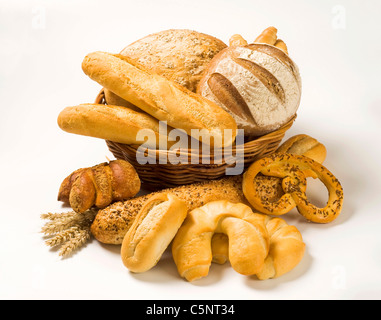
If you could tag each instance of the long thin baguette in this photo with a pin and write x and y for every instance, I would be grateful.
(112, 223)
(164, 99)
(114, 123)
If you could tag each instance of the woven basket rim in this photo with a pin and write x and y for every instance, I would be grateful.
(247, 147)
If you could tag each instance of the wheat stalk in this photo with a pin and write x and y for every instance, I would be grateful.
(70, 230)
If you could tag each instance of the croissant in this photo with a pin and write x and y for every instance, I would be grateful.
(99, 185)
(286, 248)
(248, 239)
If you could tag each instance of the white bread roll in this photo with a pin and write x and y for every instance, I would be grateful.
(258, 84)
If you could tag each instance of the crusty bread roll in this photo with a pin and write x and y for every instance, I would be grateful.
(303, 144)
(152, 231)
(162, 98)
(114, 123)
(179, 55)
(258, 84)
(248, 239)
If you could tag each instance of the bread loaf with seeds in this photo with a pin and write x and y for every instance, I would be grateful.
(258, 84)
(112, 223)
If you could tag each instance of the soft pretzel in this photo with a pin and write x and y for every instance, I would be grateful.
(152, 231)
(286, 248)
(294, 169)
(270, 188)
(248, 239)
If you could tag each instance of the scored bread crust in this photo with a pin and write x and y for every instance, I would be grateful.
(258, 84)
(180, 55)
(152, 231)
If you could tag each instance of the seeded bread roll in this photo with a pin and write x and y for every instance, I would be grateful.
(112, 223)
(258, 84)
(180, 55)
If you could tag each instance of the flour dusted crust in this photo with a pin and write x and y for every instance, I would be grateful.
(180, 55)
(258, 84)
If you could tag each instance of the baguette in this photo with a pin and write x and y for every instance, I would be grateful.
(112, 223)
(163, 99)
(114, 123)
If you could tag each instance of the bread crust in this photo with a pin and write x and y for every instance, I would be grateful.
(262, 86)
(303, 144)
(112, 223)
(163, 99)
(108, 122)
(248, 239)
(152, 231)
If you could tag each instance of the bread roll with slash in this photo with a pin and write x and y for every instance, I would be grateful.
(163, 99)
(257, 83)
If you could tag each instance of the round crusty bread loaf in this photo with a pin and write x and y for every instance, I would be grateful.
(180, 55)
(258, 84)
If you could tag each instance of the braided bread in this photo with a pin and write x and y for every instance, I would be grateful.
(99, 185)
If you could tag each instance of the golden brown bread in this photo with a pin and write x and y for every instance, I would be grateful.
(268, 36)
(285, 252)
(112, 223)
(270, 188)
(180, 55)
(99, 185)
(258, 84)
(248, 239)
(294, 171)
(303, 144)
(114, 123)
(237, 40)
(163, 99)
(152, 231)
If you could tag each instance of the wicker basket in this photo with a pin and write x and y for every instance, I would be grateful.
(157, 176)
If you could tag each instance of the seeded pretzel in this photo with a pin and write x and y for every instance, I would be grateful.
(294, 169)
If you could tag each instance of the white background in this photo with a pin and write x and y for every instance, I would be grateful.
(336, 45)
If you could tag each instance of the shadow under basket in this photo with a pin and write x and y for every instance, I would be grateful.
(157, 172)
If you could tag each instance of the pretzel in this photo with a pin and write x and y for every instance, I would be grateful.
(294, 169)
